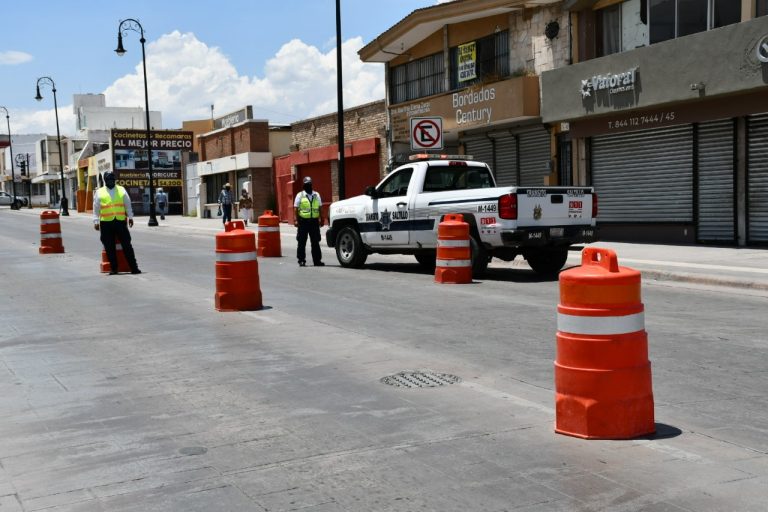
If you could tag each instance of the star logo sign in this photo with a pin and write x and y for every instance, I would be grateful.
(586, 89)
(385, 220)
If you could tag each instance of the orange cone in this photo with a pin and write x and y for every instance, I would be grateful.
(237, 271)
(269, 235)
(122, 263)
(454, 255)
(50, 233)
(602, 373)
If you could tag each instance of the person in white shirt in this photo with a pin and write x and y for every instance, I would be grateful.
(161, 198)
(112, 216)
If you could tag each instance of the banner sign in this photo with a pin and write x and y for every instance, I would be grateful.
(467, 55)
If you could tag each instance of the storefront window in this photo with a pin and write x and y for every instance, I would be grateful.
(725, 12)
(417, 79)
(762, 7)
(609, 23)
(662, 20)
(691, 17)
(491, 60)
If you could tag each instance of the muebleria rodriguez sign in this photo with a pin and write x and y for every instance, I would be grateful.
(472, 107)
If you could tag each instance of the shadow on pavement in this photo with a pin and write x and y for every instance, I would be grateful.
(515, 275)
(664, 431)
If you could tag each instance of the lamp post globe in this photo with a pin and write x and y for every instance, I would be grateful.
(46, 80)
(123, 27)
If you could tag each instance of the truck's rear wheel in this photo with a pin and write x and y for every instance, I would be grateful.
(427, 259)
(480, 257)
(548, 262)
(349, 248)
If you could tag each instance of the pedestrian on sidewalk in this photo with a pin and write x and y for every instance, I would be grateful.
(111, 208)
(161, 198)
(225, 203)
(307, 217)
(246, 205)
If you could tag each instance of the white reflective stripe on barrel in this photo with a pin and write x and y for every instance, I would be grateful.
(50, 235)
(266, 229)
(232, 257)
(601, 324)
(453, 263)
(49, 221)
(453, 243)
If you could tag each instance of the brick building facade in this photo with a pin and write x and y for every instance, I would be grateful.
(314, 152)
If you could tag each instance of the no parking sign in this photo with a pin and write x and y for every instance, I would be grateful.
(426, 133)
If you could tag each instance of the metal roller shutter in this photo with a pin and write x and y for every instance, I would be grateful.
(481, 149)
(644, 176)
(716, 172)
(535, 155)
(506, 161)
(757, 180)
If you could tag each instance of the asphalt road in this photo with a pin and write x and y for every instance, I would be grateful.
(134, 393)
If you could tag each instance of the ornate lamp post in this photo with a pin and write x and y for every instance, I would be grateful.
(48, 80)
(10, 142)
(126, 25)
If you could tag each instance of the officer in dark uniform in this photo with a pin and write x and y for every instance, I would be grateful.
(308, 219)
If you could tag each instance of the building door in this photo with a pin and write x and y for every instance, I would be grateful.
(535, 157)
(564, 163)
(480, 147)
(715, 193)
(757, 179)
(644, 176)
(506, 171)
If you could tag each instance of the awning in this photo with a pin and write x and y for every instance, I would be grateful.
(45, 178)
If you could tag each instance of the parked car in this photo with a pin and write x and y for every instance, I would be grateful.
(7, 200)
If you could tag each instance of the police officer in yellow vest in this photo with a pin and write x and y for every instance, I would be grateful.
(308, 218)
(111, 208)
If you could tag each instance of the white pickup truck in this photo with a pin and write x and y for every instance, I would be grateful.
(401, 215)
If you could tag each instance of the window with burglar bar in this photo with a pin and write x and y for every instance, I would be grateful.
(492, 60)
(417, 79)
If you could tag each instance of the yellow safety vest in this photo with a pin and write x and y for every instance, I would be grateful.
(309, 210)
(112, 209)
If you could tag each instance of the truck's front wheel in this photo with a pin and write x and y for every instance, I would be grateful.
(549, 262)
(349, 248)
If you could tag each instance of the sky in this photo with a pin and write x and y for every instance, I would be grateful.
(279, 56)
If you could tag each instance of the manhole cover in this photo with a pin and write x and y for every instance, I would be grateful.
(420, 379)
(193, 450)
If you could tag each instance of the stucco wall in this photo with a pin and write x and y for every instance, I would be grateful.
(724, 60)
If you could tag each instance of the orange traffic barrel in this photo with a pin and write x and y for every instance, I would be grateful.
(602, 373)
(269, 235)
(122, 263)
(237, 271)
(454, 255)
(50, 233)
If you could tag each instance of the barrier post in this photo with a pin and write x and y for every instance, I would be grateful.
(454, 255)
(269, 235)
(122, 263)
(50, 233)
(237, 271)
(602, 374)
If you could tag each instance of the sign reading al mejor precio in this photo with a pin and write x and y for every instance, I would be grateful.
(169, 140)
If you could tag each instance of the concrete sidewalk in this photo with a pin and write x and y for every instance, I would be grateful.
(725, 266)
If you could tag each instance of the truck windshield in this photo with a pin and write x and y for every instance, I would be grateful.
(440, 178)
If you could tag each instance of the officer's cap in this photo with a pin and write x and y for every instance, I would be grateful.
(307, 180)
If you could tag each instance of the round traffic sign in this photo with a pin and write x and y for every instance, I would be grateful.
(426, 134)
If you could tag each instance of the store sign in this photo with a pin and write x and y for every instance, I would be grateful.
(611, 83)
(467, 65)
(233, 118)
(762, 50)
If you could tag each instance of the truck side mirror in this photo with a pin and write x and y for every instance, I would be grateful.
(371, 191)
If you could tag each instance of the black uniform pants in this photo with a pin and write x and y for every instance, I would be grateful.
(311, 228)
(112, 231)
(227, 213)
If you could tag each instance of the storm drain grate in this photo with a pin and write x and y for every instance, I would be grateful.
(420, 379)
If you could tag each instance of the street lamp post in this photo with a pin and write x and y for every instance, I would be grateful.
(48, 80)
(340, 104)
(132, 24)
(10, 144)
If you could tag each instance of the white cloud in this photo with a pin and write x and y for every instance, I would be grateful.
(185, 76)
(11, 58)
